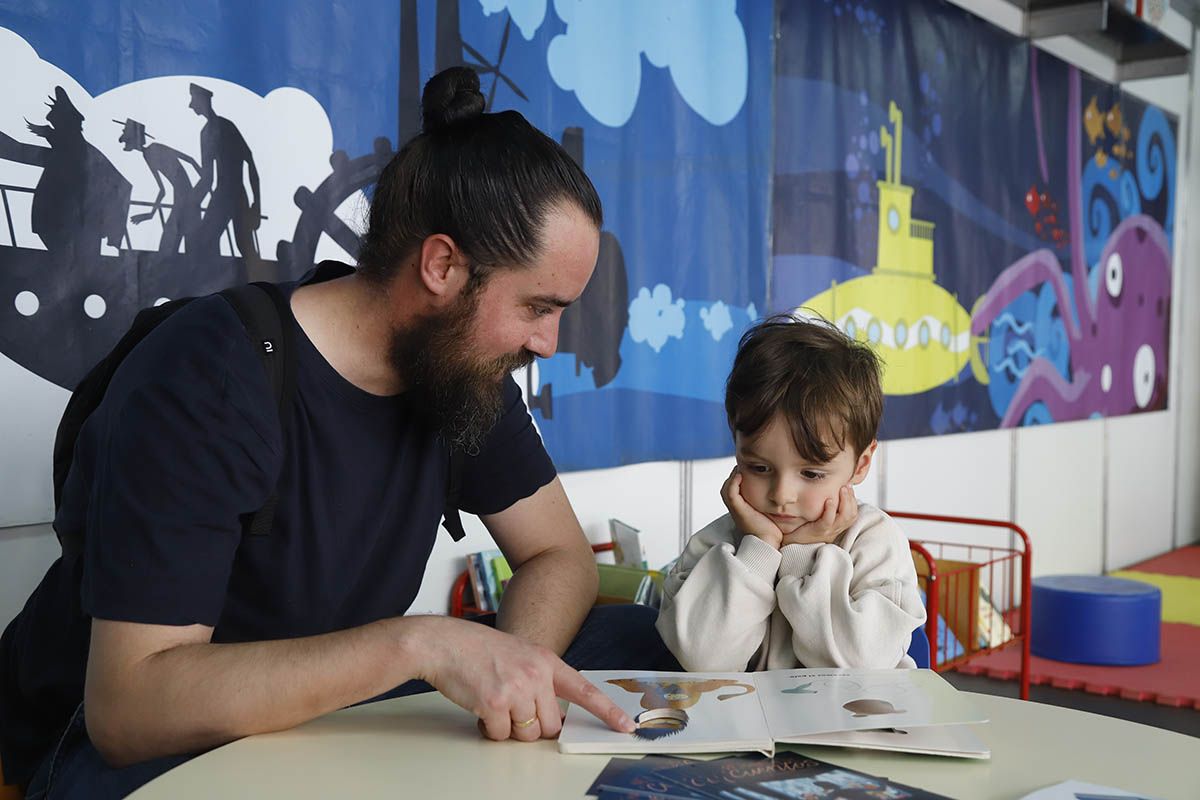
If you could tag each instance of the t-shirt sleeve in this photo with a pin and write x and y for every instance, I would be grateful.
(511, 465)
(185, 445)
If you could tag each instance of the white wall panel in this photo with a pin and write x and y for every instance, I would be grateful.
(869, 491)
(29, 412)
(963, 474)
(707, 478)
(1060, 495)
(645, 496)
(25, 554)
(1141, 465)
(1185, 374)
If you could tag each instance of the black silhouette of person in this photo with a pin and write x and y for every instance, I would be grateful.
(183, 218)
(80, 197)
(224, 155)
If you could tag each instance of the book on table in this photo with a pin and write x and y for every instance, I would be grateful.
(753, 777)
(910, 710)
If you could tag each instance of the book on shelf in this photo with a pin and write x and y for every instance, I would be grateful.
(912, 710)
(503, 574)
(491, 584)
(478, 581)
(487, 572)
(628, 550)
(993, 630)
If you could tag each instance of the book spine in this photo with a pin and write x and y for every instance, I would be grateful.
(502, 572)
(477, 584)
(489, 582)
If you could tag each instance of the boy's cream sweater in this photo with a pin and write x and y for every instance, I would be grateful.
(733, 603)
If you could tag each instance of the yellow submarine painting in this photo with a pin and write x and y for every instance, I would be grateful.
(921, 331)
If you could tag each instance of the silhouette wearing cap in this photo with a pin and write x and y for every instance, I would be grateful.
(225, 156)
(183, 219)
(80, 197)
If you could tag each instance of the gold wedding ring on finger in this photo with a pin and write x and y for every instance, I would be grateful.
(526, 723)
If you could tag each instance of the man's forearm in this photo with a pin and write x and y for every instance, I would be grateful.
(549, 596)
(200, 695)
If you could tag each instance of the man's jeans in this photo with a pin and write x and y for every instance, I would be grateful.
(612, 637)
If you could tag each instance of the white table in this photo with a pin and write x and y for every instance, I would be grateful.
(425, 746)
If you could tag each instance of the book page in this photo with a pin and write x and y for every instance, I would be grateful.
(678, 712)
(800, 702)
(957, 741)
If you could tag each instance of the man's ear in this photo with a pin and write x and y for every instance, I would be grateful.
(864, 463)
(442, 267)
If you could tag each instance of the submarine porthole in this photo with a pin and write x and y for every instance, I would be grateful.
(94, 306)
(27, 303)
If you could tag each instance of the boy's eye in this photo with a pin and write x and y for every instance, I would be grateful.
(760, 469)
(812, 475)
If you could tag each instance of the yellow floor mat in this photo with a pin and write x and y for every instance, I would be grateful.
(1180, 594)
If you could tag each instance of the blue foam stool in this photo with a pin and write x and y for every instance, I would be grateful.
(1095, 619)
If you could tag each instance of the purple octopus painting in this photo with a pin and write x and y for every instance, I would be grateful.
(1115, 319)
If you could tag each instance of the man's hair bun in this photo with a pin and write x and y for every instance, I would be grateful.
(450, 97)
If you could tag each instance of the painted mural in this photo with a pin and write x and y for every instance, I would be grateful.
(149, 152)
(997, 225)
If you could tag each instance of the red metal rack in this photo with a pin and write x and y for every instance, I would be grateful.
(952, 576)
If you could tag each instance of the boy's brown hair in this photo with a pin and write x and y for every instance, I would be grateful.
(826, 385)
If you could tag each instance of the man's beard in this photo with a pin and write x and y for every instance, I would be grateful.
(458, 394)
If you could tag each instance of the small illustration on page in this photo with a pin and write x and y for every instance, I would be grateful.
(868, 707)
(800, 689)
(671, 693)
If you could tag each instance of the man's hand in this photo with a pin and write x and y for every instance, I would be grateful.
(510, 684)
(836, 518)
(745, 518)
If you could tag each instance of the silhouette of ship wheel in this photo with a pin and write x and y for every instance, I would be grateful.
(318, 207)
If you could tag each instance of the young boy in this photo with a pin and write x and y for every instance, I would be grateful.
(798, 573)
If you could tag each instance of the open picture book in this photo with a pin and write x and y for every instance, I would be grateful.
(908, 710)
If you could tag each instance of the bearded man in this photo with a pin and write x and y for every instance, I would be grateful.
(482, 230)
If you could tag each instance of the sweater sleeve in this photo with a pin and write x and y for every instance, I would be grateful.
(718, 599)
(855, 607)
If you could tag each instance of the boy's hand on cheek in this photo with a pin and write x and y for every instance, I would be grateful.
(839, 514)
(745, 517)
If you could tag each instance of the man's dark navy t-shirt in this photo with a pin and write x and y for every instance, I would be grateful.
(187, 445)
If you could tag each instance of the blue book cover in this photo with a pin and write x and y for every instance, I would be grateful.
(787, 775)
(635, 779)
(490, 581)
(478, 581)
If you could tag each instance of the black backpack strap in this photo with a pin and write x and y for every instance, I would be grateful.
(452, 521)
(266, 313)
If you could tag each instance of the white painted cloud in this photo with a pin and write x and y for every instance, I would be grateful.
(527, 15)
(717, 320)
(654, 317)
(703, 44)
